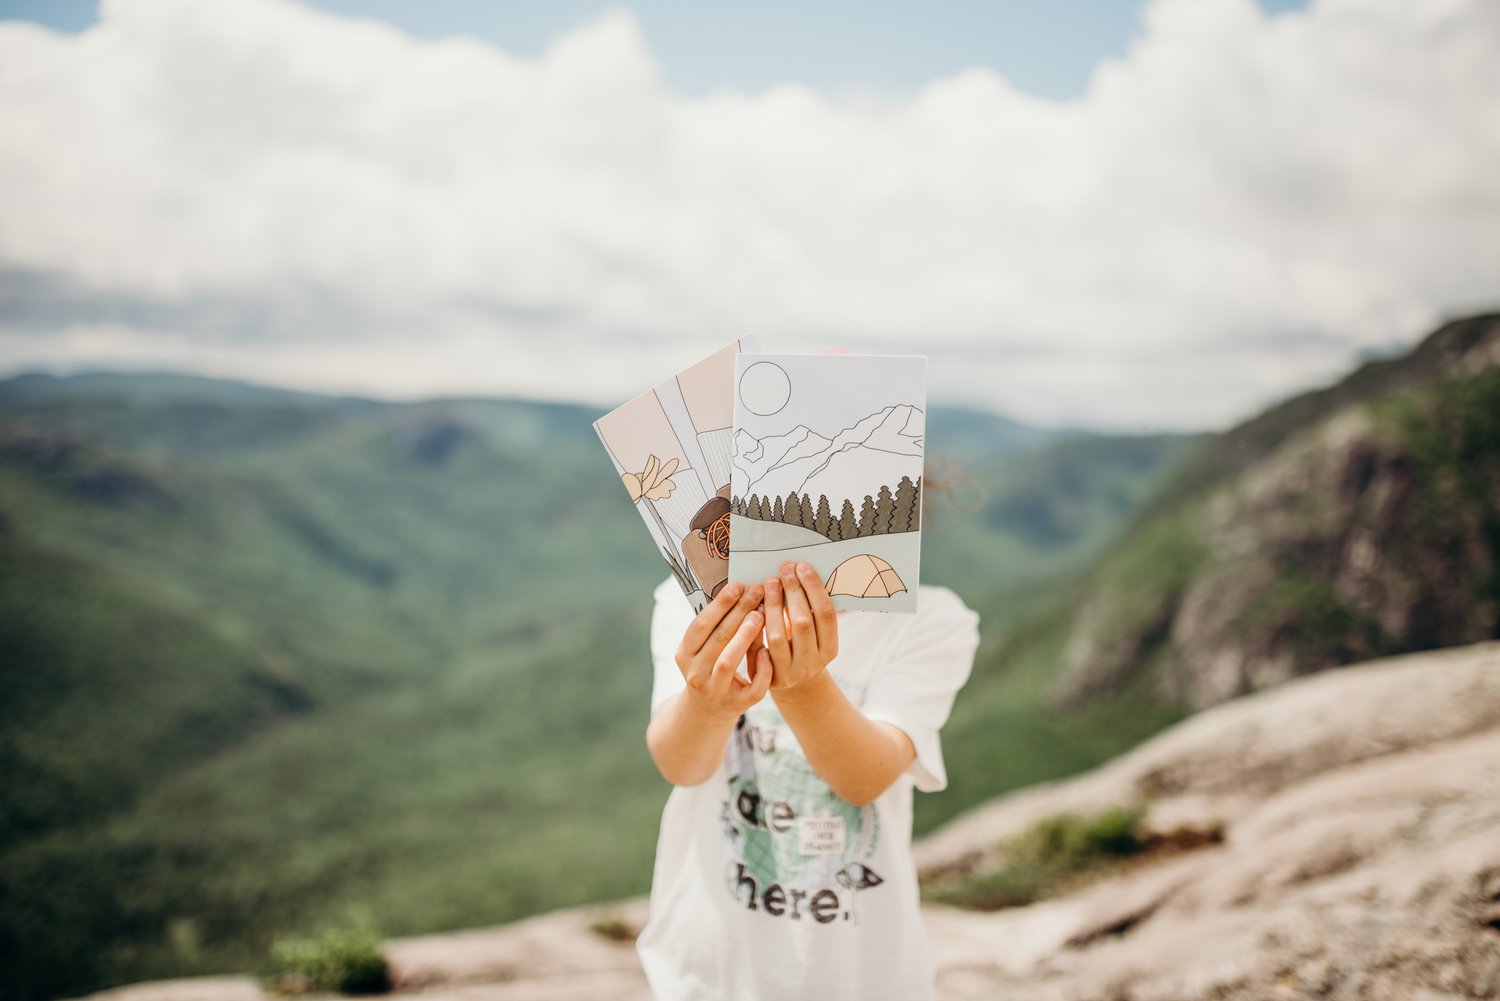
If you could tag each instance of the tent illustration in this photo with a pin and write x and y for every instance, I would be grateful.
(865, 576)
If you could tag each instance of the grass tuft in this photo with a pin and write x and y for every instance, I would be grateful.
(1057, 854)
(343, 957)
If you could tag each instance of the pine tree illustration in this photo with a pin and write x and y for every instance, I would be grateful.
(901, 516)
(807, 516)
(778, 513)
(867, 517)
(823, 518)
(885, 508)
(906, 505)
(848, 526)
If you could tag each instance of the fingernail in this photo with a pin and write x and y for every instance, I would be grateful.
(804, 568)
(734, 587)
(753, 618)
(754, 592)
(773, 587)
(787, 570)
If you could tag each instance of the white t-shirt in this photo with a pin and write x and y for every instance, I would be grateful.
(767, 884)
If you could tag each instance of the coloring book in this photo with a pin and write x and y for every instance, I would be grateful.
(672, 448)
(827, 468)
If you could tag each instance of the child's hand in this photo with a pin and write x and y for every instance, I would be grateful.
(715, 642)
(802, 628)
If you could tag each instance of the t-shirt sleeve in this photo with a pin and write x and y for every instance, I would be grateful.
(669, 620)
(915, 684)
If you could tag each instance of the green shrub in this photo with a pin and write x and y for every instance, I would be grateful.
(1116, 831)
(1013, 885)
(1057, 840)
(1055, 854)
(343, 957)
(1070, 841)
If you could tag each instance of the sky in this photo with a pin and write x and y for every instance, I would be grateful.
(1133, 216)
(1043, 47)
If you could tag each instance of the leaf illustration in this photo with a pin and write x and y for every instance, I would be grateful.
(653, 483)
(661, 486)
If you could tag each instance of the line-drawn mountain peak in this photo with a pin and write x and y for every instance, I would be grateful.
(875, 451)
(746, 447)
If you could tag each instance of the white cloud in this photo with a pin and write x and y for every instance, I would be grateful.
(1231, 212)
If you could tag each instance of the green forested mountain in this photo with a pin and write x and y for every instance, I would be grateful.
(1348, 523)
(265, 654)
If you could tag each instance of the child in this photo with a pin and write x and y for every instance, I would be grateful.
(783, 868)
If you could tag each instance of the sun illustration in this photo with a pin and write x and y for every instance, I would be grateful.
(765, 388)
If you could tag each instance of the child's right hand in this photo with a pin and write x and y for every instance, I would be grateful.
(713, 646)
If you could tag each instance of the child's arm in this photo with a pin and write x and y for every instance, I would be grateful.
(857, 757)
(688, 734)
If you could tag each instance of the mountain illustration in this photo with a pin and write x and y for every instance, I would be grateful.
(878, 449)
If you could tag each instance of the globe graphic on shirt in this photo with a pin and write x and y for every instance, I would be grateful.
(760, 784)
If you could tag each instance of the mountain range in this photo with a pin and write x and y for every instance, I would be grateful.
(266, 655)
(878, 450)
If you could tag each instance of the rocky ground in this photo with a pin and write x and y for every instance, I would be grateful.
(1361, 860)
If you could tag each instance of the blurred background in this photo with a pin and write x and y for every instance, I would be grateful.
(317, 590)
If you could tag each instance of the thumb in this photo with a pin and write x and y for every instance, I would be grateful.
(760, 682)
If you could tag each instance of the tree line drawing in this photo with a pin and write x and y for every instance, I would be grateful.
(886, 512)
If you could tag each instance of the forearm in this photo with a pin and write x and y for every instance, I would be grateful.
(687, 738)
(857, 757)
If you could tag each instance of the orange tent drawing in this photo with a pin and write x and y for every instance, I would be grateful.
(865, 576)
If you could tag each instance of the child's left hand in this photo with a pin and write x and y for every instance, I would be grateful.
(802, 627)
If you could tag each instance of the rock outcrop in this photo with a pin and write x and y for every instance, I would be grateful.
(1359, 521)
(1361, 858)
